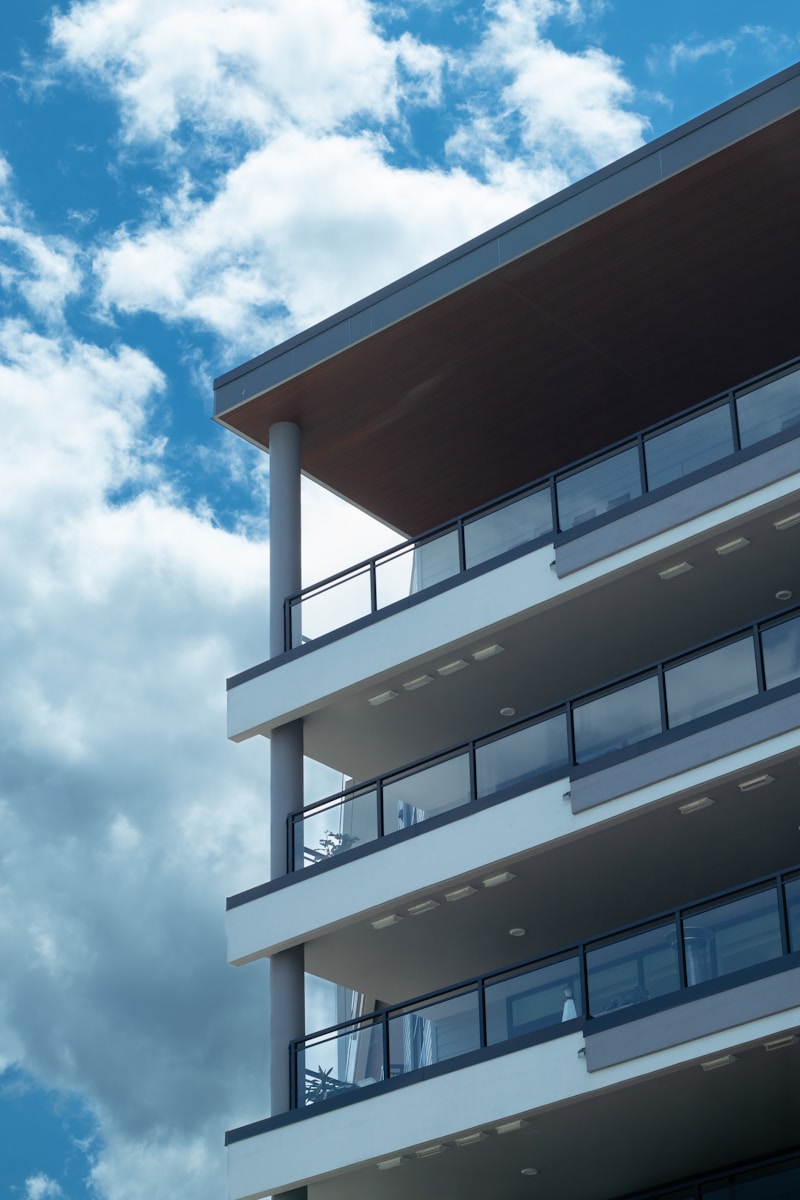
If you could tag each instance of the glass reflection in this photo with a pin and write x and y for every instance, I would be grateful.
(520, 754)
(731, 936)
(772, 407)
(419, 795)
(617, 719)
(435, 560)
(598, 488)
(507, 526)
(688, 446)
(333, 828)
(532, 998)
(433, 1033)
(711, 681)
(329, 608)
(781, 647)
(632, 969)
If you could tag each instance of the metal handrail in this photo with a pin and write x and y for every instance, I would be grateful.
(634, 441)
(578, 950)
(657, 669)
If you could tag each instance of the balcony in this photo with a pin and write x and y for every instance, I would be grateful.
(658, 461)
(664, 701)
(720, 942)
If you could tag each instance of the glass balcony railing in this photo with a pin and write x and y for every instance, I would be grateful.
(664, 958)
(666, 696)
(590, 491)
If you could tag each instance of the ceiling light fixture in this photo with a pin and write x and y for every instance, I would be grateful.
(469, 1139)
(495, 880)
(529, 1171)
(508, 711)
(780, 1043)
(487, 652)
(783, 594)
(460, 893)
(731, 547)
(399, 1160)
(430, 1151)
(758, 781)
(416, 910)
(787, 522)
(517, 931)
(512, 1126)
(693, 806)
(385, 922)
(420, 681)
(672, 572)
(382, 698)
(724, 1060)
(458, 664)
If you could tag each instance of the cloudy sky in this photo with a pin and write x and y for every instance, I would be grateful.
(184, 183)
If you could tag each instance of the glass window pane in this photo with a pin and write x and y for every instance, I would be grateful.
(522, 753)
(533, 998)
(435, 560)
(393, 574)
(508, 526)
(728, 937)
(771, 408)
(331, 607)
(781, 647)
(677, 451)
(617, 719)
(598, 488)
(433, 1033)
(632, 969)
(426, 792)
(339, 1062)
(711, 681)
(335, 827)
(792, 889)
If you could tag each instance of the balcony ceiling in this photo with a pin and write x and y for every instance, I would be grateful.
(628, 316)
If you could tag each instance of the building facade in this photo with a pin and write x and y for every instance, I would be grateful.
(560, 889)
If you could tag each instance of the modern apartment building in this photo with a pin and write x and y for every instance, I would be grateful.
(560, 889)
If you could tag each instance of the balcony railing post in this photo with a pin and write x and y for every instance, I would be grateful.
(462, 546)
(642, 463)
(553, 503)
(482, 1012)
(379, 802)
(783, 916)
(571, 755)
(737, 444)
(473, 772)
(758, 648)
(681, 950)
(386, 1046)
(294, 1087)
(662, 697)
(373, 585)
(583, 980)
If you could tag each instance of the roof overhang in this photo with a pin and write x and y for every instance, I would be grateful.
(649, 286)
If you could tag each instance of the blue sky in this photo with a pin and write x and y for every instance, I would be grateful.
(183, 183)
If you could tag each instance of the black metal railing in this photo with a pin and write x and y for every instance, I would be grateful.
(740, 933)
(663, 697)
(703, 438)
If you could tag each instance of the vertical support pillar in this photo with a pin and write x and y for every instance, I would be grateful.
(286, 976)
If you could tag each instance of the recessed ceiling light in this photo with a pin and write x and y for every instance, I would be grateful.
(420, 681)
(450, 668)
(693, 806)
(495, 880)
(416, 910)
(783, 594)
(672, 572)
(512, 1126)
(508, 711)
(399, 1160)
(780, 1043)
(724, 1060)
(430, 1151)
(382, 698)
(469, 1139)
(460, 893)
(529, 1171)
(731, 547)
(517, 931)
(385, 922)
(758, 781)
(787, 522)
(487, 652)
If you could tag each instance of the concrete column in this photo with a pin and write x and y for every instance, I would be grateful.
(284, 525)
(286, 975)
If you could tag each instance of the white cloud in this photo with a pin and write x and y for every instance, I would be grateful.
(41, 1187)
(236, 66)
(693, 51)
